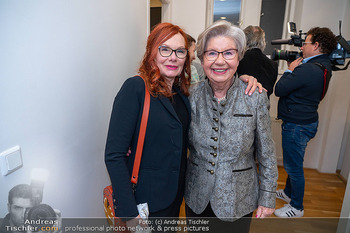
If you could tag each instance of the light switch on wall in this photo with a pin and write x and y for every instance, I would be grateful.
(10, 160)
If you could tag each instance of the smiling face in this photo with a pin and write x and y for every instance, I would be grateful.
(171, 66)
(220, 71)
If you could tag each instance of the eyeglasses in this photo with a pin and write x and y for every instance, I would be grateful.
(165, 51)
(229, 54)
(303, 43)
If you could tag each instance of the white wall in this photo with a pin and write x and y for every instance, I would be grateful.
(344, 158)
(189, 15)
(250, 12)
(61, 64)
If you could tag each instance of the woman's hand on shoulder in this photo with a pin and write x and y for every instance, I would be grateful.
(263, 212)
(252, 84)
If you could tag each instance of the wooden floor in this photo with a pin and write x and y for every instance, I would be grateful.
(323, 200)
(324, 193)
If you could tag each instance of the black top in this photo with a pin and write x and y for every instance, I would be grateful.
(257, 64)
(182, 113)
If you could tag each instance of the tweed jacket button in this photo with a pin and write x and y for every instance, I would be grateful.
(212, 163)
(211, 172)
(214, 154)
(214, 147)
(215, 128)
(214, 138)
(216, 119)
(221, 113)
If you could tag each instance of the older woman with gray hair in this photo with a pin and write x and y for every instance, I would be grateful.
(223, 179)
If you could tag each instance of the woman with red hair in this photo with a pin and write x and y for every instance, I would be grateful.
(166, 72)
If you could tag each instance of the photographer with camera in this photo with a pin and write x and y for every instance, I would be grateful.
(301, 88)
(26, 214)
(19, 200)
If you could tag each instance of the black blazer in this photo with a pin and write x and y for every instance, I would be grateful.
(257, 64)
(161, 157)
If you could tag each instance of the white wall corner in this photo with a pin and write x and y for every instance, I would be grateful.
(148, 15)
(251, 11)
(209, 13)
(344, 221)
(167, 11)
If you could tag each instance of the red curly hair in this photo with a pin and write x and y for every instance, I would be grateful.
(149, 70)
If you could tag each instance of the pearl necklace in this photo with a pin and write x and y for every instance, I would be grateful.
(222, 98)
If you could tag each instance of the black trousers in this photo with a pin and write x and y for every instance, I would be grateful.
(214, 224)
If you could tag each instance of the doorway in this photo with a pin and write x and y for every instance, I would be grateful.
(271, 21)
(155, 13)
(228, 10)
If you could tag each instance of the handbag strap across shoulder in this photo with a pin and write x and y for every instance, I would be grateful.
(141, 138)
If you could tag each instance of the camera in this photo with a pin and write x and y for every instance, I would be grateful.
(286, 55)
(295, 40)
(41, 216)
(337, 57)
(342, 51)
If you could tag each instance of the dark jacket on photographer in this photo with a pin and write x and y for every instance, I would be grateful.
(5, 224)
(300, 91)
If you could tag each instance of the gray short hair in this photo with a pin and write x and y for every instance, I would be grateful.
(255, 37)
(221, 28)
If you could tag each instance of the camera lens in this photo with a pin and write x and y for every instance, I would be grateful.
(285, 55)
(40, 216)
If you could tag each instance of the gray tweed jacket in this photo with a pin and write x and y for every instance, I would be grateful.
(221, 165)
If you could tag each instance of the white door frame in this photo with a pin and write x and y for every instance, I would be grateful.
(166, 10)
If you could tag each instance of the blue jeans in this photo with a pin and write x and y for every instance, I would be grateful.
(294, 140)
